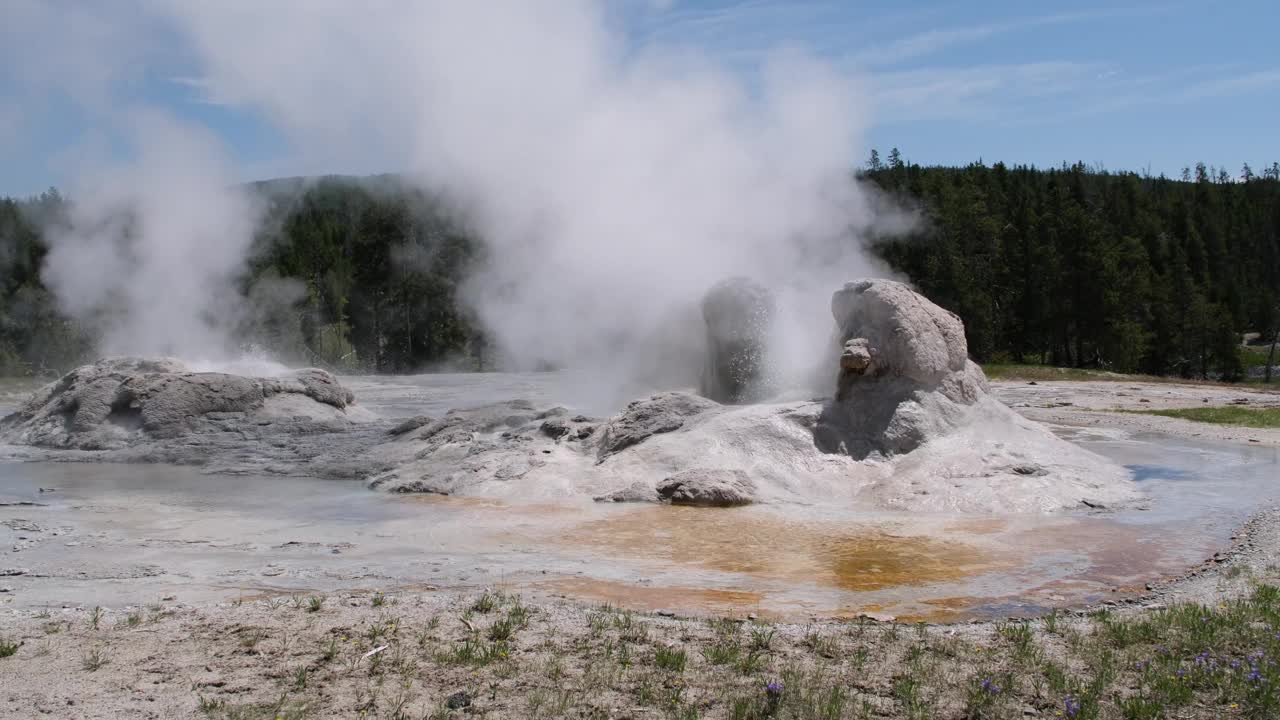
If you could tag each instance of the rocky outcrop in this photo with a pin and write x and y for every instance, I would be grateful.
(662, 413)
(738, 313)
(912, 338)
(156, 410)
(634, 493)
(708, 488)
(500, 442)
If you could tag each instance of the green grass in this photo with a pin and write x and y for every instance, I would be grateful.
(1012, 371)
(7, 648)
(670, 658)
(1015, 372)
(1231, 415)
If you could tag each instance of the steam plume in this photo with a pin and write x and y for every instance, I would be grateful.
(614, 184)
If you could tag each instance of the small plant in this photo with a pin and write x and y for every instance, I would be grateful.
(379, 599)
(907, 690)
(819, 644)
(983, 692)
(314, 603)
(1141, 708)
(94, 659)
(670, 658)
(751, 662)
(330, 650)
(722, 653)
(519, 614)
(8, 648)
(554, 668)
(1051, 622)
(95, 617)
(598, 622)
(210, 706)
(133, 620)
(502, 630)
(724, 626)
(486, 603)
(249, 641)
(1018, 634)
(300, 678)
(761, 639)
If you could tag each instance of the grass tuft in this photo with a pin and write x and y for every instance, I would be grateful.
(1230, 415)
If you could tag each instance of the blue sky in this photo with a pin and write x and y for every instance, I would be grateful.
(1155, 85)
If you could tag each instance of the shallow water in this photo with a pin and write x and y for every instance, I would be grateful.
(121, 534)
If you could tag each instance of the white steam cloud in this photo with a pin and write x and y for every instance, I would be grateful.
(151, 246)
(151, 251)
(614, 184)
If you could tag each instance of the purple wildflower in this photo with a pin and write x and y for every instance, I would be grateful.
(1071, 706)
(1254, 675)
(990, 687)
(773, 689)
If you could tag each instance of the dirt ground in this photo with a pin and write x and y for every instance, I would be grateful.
(1094, 403)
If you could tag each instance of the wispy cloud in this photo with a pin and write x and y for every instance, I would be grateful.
(933, 41)
(1116, 92)
(749, 29)
(1234, 84)
(991, 92)
(201, 90)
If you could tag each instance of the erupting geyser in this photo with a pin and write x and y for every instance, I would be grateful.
(738, 313)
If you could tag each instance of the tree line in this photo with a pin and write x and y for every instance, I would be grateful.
(1068, 266)
(1079, 267)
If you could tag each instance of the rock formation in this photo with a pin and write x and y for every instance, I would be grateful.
(738, 313)
(708, 488)
(904, 371)
(156, 410)
(642, 419)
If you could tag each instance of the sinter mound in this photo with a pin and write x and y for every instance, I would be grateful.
(909, 425)
(156, 410)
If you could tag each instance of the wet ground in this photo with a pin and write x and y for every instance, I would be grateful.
(82, 534)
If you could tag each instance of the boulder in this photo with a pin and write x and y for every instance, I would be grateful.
(636, 492)
(642, 419)
(708, 488)
(738, 313)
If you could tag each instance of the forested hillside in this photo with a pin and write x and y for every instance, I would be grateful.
(1095, 269)
(375, 265)
(1067, 266)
